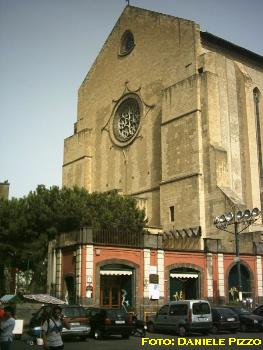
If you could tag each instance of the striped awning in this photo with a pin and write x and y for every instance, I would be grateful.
(115, 272)
(184, 275)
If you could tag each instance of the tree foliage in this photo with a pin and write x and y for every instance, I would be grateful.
(27, 224)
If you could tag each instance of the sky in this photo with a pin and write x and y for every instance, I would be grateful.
(47, 48)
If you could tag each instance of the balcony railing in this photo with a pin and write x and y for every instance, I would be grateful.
(102, 237)
(118, 238)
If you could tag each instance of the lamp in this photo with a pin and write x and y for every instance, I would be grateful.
(222, 219)
(247, 214)
(239, 215)
(255, 212)
(229, 217)
(245, 218)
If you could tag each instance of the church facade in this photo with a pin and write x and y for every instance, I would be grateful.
(172, 116)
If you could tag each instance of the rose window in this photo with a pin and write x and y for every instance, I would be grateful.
(126, 120)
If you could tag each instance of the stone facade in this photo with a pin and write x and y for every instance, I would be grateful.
(4, 190)
(194, 152)
(197, 131)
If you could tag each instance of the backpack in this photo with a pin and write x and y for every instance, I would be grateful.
(58, 328)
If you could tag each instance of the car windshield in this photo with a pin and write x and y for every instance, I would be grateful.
(74, 312)
(226, 312)
(241, 311)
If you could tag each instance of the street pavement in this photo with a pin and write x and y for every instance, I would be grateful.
(223, 341)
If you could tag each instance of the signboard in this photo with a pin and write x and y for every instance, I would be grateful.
(154, 291)
(18, 327)
(154, 278)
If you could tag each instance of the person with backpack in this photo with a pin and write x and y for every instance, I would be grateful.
(7, 325)
(52, 328)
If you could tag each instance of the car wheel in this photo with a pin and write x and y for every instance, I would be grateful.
(243, 327)
(181, 331)
(125, 336)
(151, 328)
(214, 330)
(98, 334)
(83, 338)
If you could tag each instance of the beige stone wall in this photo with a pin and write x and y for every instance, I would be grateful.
(4, 190)
(197, 133)
(135, 169)
(77, 165)
(231, 158)
(184, 196)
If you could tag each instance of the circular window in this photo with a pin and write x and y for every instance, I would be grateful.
(126, 120)
(127, 43)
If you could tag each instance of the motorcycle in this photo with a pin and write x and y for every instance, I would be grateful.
(139, 327)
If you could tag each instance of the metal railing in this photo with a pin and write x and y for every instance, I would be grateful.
(118, 238)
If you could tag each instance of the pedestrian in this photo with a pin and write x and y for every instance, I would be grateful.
(52, 328)
(7, 325)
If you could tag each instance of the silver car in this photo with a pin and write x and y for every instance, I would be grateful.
(182, 317)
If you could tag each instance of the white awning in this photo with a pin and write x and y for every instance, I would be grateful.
(115, 272)
(184, 275)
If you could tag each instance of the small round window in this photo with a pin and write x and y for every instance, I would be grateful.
(127, 43)
(126, 120)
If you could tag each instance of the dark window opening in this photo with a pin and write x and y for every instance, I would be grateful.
(201, 308)
(127, 43)
(164, 310)
(172, 214)
(178, 310)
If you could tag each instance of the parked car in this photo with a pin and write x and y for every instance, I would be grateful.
(258, 310)
(224, 319)
(75, 315)
(105, 322)
(182, 317)
(248, 320)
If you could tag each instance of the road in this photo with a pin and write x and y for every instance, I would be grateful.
(160, 342)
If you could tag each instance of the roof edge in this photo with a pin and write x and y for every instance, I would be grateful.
(207, 37)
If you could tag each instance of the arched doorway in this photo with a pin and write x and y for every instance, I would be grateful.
(184, 283)
(233, 283)
(70, 288)
(116, 285)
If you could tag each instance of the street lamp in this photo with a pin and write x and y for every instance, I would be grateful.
(244, 218)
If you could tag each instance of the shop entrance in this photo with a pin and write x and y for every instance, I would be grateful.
(70, 289)
(116, 286)
(184, 284)
(233, 283)
(110, 292)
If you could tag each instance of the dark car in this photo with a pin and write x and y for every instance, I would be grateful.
(75, 315)
(224, 319)
(248, 320)
(258, 311)
(105, 322)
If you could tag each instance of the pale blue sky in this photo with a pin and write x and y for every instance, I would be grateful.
(48, 46)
